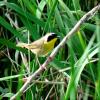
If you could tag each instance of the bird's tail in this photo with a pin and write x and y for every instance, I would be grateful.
(23, 45)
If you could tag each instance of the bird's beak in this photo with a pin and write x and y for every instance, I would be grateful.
(58, 36)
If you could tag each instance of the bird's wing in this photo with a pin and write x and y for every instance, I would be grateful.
(36, 44)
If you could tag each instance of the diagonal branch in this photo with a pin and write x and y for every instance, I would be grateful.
(86, 17)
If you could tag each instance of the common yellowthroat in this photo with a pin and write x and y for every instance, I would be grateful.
(42, 46)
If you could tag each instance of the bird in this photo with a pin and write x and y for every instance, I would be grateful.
(42, 46)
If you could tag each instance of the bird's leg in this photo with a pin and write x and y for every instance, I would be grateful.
(37, 60)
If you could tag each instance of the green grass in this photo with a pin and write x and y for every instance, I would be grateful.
(75, 69)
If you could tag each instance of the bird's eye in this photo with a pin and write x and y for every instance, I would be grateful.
(52, 36)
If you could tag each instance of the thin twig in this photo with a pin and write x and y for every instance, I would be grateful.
(86, 17)
(49, 82)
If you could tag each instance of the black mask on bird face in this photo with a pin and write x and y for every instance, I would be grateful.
(57, 42)
(52, 36)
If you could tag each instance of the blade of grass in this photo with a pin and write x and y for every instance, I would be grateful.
(98, 65)
(50, 14)
(41, 6)
(68, 11)
(24, 13)
(5, 24)
(81, 64)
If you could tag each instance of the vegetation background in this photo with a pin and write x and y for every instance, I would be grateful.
(75, 71)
